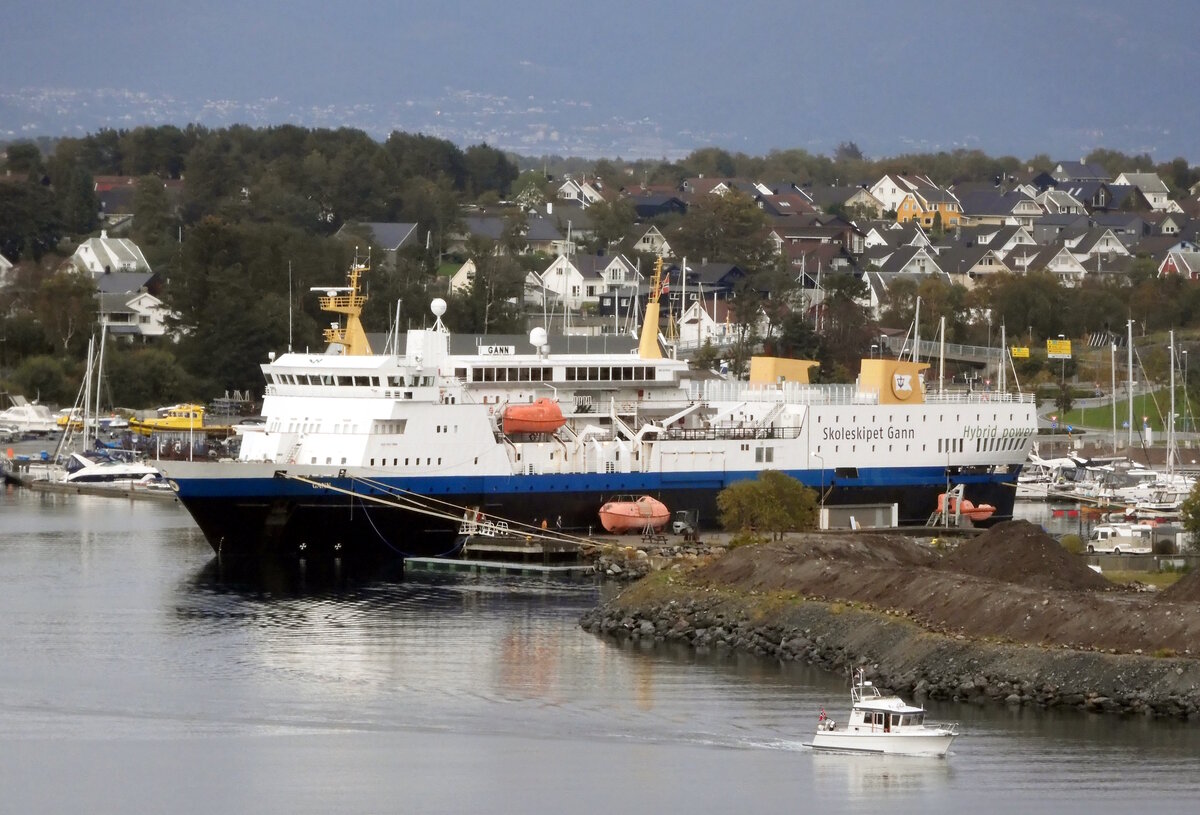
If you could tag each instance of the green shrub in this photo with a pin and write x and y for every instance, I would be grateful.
(1072, 543)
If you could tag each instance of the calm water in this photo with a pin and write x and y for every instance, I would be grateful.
(136, 677)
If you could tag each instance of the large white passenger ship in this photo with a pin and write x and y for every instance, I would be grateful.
(368, 453)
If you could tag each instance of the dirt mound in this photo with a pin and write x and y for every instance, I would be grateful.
(1185, 590)
(1023, 553)
(793, 564)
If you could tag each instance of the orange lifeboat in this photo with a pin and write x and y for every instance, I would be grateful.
(976, 513)
(543, 416)
(625, 513)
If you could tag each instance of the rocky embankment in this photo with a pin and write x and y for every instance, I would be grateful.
(1008, 617)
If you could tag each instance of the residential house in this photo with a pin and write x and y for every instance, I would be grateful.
(818, 229)
(890, 233)
(1059, 202)
(1049, 228)
(1094, 241)
(582, 191)
(1059, 260)
(1152, 188)
(890, 191)
(461, 280)
(128, 304)
(1077, 171)
(785, 205)
(706, 321)
(1164, 223)
(649, 240)
(581, 279)
(541, 233)
(389, 238)
(916, 260)
(990, 206)
(1000, 239)
(1129, 227)
(930, 206)
(852, 200)
(966, 264)
(1181, 263)
(722, 186)
(707, 279)
(649, 205)
(104, 255)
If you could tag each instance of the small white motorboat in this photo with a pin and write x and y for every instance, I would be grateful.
(883, 724)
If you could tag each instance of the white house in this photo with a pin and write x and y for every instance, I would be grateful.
(651, 241)
(1152, 188)
(580, 279)
(461, 279)
(706, 321)
(133, 314)
(105, 255)
(582, 191)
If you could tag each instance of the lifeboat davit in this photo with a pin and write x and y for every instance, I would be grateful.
(625, 513)
(980, 512)
(543, 416)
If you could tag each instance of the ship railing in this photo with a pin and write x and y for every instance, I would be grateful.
(978, 397)
(786, 392)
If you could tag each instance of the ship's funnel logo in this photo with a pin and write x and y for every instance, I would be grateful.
(902, 386)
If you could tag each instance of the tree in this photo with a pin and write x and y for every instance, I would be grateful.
(1189, 512)
(66, 306)
(29, 221)
(773, 502)
(612, 220)
(728, 228)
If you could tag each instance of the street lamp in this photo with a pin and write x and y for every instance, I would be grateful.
(874, 348)
(1185, 392)
(821, 495)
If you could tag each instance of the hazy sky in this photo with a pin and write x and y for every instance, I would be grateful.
(1014, 77)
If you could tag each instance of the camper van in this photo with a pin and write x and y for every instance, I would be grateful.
(1121, 539)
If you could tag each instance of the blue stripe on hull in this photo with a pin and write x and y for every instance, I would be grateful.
(282, 516)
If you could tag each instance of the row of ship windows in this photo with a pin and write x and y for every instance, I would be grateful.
(582, 373)
(340, 381)
(415, 462)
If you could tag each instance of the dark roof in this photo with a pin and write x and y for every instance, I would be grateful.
(122, 282)
(991, 202)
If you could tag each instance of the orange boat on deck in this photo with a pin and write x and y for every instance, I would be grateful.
(625, 513)
(543, 416)
(976, 513)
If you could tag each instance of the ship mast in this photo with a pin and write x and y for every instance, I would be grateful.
(648, 341)
(347, 301)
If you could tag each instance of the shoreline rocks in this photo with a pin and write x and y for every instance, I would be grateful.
(897, 653)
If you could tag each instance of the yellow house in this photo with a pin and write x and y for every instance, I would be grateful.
(923, 206)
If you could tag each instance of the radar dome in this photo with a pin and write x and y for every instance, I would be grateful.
(438, 307)
(537, 337)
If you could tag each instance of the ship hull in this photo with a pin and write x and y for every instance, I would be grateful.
(272, 513)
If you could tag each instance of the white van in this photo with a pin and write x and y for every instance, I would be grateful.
(1121, 539)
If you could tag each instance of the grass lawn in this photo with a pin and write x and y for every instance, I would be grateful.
(1144, 405)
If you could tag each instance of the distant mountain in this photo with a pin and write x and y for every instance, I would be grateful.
(562, 128)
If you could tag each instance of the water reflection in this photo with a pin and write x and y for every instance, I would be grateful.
(870, 775)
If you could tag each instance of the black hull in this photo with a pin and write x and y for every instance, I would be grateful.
(336, 525)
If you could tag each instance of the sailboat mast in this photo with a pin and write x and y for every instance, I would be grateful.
(1129, 348)
(99, 374)
(1171, 415)
(1113, 366)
